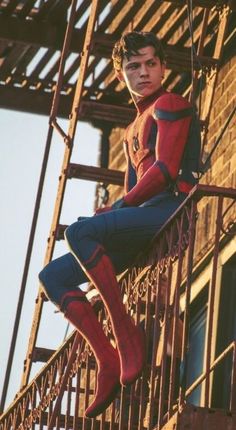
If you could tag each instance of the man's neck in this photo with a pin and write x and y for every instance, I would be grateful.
(142, 103)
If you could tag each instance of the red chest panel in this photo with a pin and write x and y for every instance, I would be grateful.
(141, 139)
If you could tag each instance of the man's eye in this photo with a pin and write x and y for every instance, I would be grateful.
(151, 63)
(133, 66)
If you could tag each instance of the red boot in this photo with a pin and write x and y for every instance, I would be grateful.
(80, 313)
(129, 338)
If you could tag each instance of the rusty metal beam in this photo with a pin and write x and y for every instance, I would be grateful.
(42, 354)
(48, 35)
(31, 32)
(207, 4)
(116, 114)
(211, 302)
(38, 102)
(96, 174)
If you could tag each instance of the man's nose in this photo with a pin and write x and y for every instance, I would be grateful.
(143, 70)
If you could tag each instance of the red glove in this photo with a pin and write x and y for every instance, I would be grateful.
(118, 204)
(102, 210)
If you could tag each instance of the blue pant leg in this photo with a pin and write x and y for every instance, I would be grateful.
(60, 276)
(123, 233)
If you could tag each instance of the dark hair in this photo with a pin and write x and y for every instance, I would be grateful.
(130, 43)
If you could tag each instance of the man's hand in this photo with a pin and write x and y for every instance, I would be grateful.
(119, 204)
(102, 210)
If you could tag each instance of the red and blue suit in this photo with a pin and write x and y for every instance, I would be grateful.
(162, 148)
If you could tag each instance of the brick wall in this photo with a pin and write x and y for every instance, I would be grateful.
(223, 170)
(223, 163)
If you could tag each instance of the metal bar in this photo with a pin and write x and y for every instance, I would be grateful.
(68, 404)
(71, 360)
(58, 128)
(98, 174)
(192, 232)
(72, 129)
(233, 383)
(156, 337)
(165, 336)
(77, 400)
(199, 52)
(87, 387)
(122, 409)
(141, 382)
(148, 321)
(25, 273)
(176, 314)
(211, 299)
(203, 376)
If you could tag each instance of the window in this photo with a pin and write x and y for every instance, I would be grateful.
(197, 332)
(226, 333)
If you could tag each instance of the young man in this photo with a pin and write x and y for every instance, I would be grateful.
(162, 151)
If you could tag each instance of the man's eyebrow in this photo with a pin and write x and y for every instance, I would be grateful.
(132, 62)
(138, 62)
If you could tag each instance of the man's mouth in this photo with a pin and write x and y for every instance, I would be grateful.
(144, 84)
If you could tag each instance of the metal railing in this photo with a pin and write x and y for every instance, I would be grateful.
(158, 293)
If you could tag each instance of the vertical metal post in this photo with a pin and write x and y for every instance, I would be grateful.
(176, 315)
(192, 231)
(71, 360)
(211, 300)
(233, 383)
(164, 353)
(156, 338)
(199, 52)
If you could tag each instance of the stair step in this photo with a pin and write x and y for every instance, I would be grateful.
(42, 354)
(96, 174)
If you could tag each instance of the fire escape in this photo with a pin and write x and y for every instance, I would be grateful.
(158, 289)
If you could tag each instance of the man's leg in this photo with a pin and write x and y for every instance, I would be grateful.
(124, 237)
(92, 243)
(60, 279)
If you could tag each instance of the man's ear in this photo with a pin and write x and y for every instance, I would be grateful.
(119, 75)
(163, 69)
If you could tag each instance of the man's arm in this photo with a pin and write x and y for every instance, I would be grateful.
(173, 115)
(130, 174)
(129, 182)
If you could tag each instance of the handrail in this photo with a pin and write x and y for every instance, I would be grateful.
(170, 258)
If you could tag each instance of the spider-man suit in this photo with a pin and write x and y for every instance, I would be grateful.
(162, 149)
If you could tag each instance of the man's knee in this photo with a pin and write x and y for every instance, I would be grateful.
(47, 279)
(71, 233)
(78, 233)
(43, 275)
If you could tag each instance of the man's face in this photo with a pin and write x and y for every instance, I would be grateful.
(142, 73)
